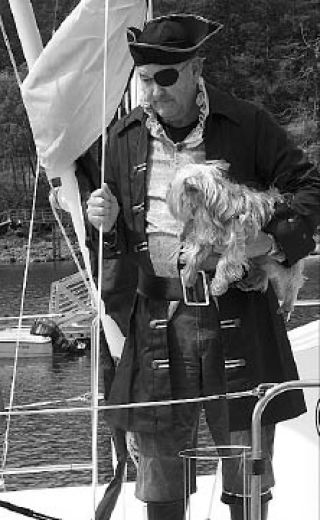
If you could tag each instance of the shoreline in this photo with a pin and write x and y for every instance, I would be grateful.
(42, 252)
(13, 251)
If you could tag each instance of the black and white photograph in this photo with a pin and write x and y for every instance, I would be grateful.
(159, 259)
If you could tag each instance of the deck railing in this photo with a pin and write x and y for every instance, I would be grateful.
(272, 391)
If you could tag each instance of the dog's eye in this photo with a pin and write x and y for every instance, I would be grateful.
(191, 190)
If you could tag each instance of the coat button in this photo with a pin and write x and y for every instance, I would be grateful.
(160, 363)
(158, 324)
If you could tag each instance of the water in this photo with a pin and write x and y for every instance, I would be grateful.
(40, 276)
(62, 439)
(47, 439)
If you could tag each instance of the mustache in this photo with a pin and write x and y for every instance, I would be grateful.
(161, 100)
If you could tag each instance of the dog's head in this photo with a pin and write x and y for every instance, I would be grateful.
(195, 187)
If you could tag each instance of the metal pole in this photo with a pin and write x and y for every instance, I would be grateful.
(256, 436)
(149, 9)
(27, 29)
(95, 337)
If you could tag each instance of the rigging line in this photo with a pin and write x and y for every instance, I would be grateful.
(30, 513)
(24, 286)
(10, 53)
(149, 10)
(82, 398)
(214, 488)
(95, 347)
(55, 13)
(52, 200)
(254, 392)
(31, 316)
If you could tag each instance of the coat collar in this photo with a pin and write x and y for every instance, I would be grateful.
(221, 103)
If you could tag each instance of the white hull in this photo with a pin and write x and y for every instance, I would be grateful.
(29, 345)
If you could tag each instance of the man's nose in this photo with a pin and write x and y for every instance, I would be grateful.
(157, 90)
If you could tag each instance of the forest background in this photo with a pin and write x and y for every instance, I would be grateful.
(268, 52)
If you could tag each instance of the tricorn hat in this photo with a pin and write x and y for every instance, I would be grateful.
(169, 39)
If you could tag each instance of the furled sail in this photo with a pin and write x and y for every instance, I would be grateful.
(63, 96)
(63, 90)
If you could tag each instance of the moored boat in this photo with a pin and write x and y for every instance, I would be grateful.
(30, 345)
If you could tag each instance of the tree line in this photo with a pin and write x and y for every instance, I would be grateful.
(268, 52)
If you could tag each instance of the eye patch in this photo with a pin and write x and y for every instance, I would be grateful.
(166, 77)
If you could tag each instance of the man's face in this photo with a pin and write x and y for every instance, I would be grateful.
(174, 102)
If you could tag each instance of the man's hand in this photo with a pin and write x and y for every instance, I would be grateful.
(259, 246)
(102, 208)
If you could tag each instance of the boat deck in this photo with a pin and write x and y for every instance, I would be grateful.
(296, 463)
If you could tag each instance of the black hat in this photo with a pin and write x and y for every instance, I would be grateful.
(169, 39)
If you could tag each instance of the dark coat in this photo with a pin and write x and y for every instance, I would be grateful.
(260, 154)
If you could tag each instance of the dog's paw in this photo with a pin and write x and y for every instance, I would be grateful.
(218, 287)
(286, 309)
(189, 276)
(255, 280)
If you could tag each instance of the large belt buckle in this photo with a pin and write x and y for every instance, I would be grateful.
(190, 294)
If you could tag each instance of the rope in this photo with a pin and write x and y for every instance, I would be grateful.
(30, 316)
(24, 287)
(255, 392)
(52, 200)
(214, 489)
(55, 13)
(82, 398)
(30, 513)
(95, 344)
(149, 10)
(10, 53)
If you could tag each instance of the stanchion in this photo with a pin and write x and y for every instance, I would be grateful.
(232, 460)
(267, 394)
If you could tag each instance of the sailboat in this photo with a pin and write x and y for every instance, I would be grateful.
(31, 345)
(297, 439)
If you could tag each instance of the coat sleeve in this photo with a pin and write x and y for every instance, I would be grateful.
(282, 164)
(115, 241)
(119, 277)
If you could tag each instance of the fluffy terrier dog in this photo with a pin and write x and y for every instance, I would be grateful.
(222, 216)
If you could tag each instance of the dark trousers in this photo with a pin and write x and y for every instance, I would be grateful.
(163, 511)
(196, 369)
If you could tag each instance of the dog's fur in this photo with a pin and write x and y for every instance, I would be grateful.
(222, 216)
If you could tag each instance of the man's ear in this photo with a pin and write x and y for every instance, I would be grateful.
(197, 66)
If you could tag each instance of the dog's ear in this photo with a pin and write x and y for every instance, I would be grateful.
(218, 166)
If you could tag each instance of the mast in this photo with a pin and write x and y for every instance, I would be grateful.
(64, 177)
(27, 30)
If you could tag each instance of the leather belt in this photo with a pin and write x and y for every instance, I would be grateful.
(172, 289)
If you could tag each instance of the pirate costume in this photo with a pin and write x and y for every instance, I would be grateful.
(184, 354)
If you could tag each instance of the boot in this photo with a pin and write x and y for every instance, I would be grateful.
(166, 510)
(236, 511)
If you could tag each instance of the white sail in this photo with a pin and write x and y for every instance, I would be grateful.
(63, 95)
(63, 90)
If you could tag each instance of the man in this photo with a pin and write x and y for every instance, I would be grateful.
(177, 350)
